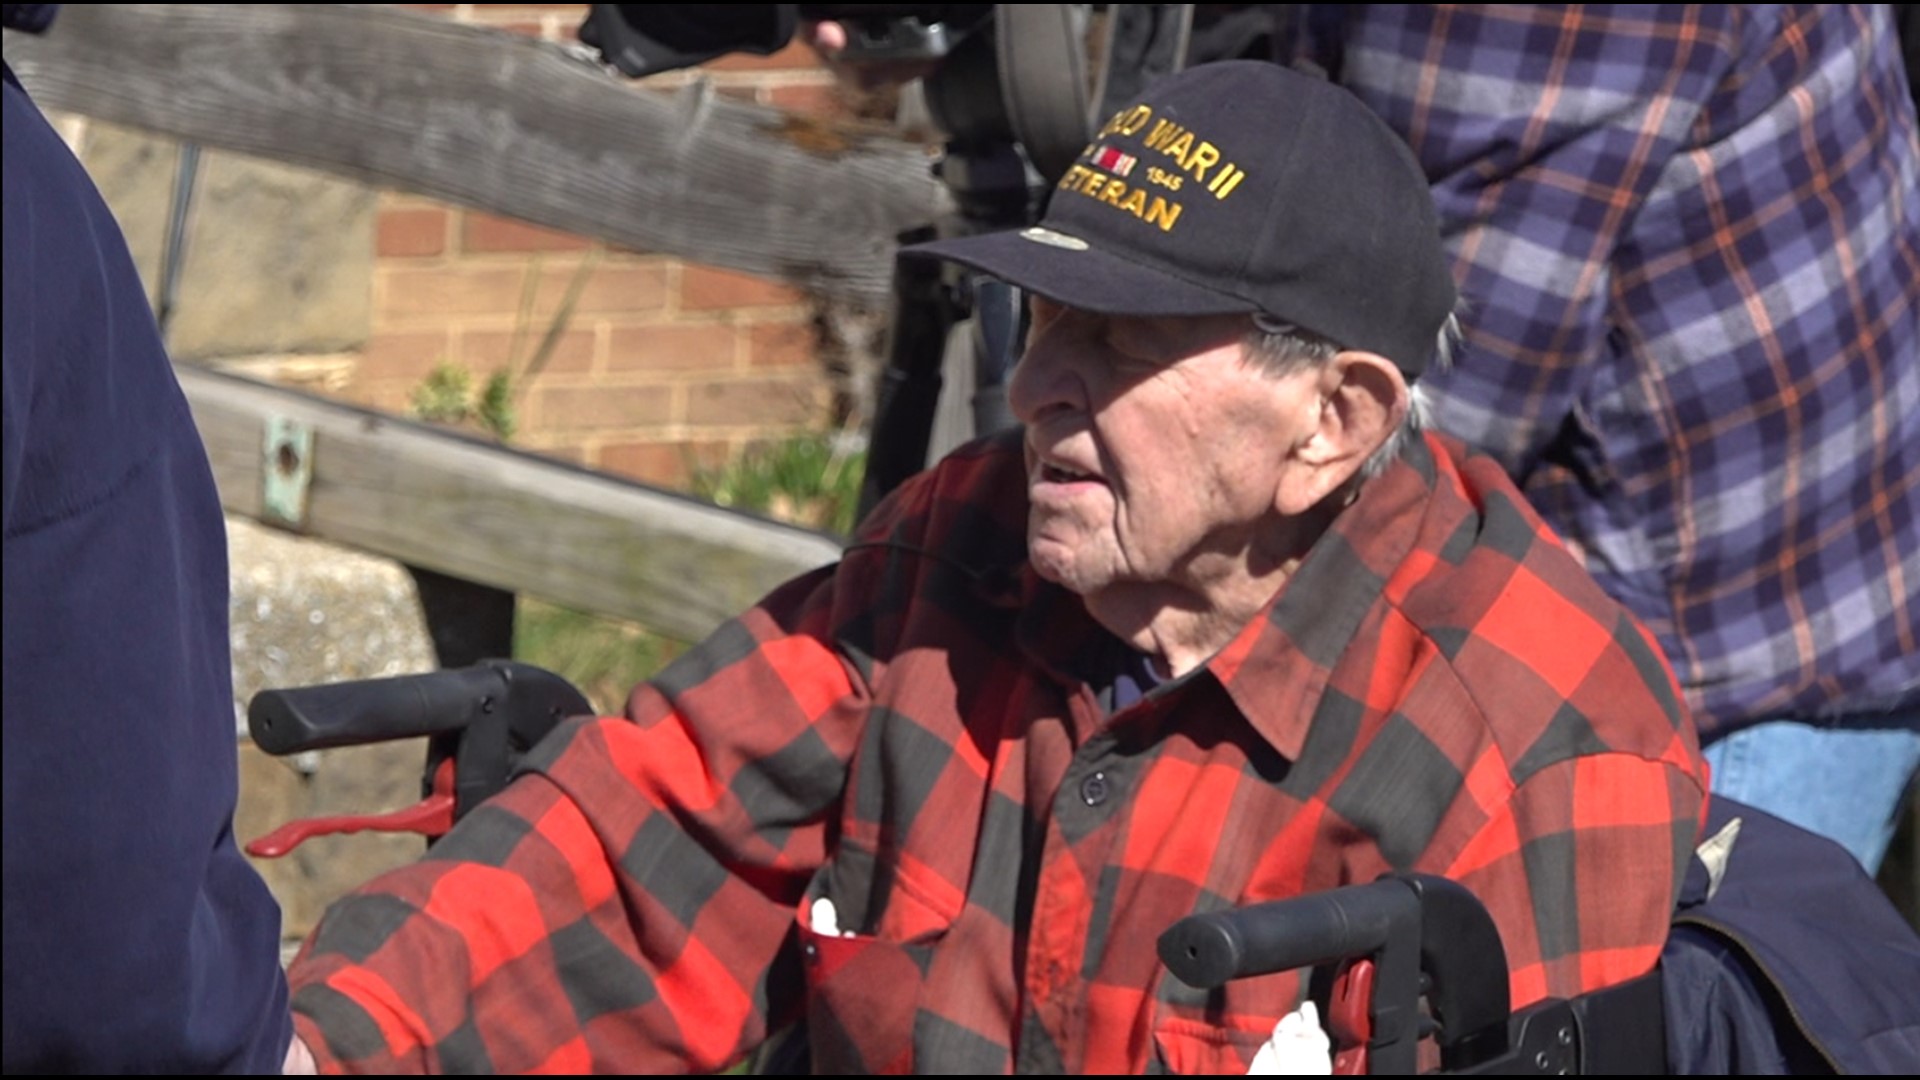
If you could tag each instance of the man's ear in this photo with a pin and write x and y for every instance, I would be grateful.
(1362, 399)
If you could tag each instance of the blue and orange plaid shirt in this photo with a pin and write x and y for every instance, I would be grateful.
(919, 736)
(1688, 237)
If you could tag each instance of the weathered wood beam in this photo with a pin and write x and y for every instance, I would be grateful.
(462, 506)
(501, 122)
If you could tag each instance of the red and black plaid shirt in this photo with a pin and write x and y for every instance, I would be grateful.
(917, 734)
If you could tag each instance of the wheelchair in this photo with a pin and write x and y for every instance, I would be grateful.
(1784, 956)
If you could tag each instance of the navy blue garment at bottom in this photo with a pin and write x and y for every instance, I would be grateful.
(137, 937)
(1796, 962)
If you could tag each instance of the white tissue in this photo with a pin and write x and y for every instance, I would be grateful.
(1298, 1047)
(824, 919)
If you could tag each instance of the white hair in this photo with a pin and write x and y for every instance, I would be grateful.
(1282, 349)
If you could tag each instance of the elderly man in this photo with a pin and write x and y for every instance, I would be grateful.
(1218, 626)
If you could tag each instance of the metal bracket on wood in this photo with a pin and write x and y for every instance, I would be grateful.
(286, 471)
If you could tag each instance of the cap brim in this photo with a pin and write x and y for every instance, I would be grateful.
(1080, 275)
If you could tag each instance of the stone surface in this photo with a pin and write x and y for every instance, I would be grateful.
(276, 259)
(308, 612)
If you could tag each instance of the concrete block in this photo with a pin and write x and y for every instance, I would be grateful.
(308, 612)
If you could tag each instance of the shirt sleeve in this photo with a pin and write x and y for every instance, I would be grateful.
(1580, 788)
(628, 902)
(1581, 867)
(1542, 130)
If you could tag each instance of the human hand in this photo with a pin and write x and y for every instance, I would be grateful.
(829, 38)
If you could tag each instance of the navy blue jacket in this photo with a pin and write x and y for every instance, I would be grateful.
(1794, 964)
(137, 938)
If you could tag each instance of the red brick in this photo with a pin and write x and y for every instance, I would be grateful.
(413, 293)
(758, 403)
(706, 288)
(492, 350)
(809, 99)
(777, 345)
(411, 232)
(610, 289)
(797, 55)
(674, 347)
(486, 234)
(403, 354)
(600, 408)
(405, 200)
(663, 464)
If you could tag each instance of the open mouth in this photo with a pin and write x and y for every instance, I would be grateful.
(1054, 474)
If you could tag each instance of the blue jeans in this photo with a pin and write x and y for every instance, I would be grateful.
(1841, 778)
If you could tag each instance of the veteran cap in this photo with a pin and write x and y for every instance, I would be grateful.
(1240, 186)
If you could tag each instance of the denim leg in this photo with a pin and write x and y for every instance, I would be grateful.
(1841, 778)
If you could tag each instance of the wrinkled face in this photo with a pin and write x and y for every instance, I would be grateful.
(1155, 448)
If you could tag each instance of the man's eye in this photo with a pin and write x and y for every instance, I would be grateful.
(1134, 345)
(1040, 311)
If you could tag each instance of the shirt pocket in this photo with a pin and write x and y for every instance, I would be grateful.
(1219, 1031)
(864, 989)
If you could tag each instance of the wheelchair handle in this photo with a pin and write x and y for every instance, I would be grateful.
(292, 720)
(289, 721)
(1205, 951)
(1427, 935)
(480, 720)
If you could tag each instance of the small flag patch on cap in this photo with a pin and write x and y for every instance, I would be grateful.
(1112, 160)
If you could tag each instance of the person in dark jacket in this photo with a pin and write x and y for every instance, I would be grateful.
(137, 938)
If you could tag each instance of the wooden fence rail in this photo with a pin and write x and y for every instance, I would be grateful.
(474, 511)
(502, 122)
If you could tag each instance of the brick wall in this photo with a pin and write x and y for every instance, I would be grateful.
(659, 364)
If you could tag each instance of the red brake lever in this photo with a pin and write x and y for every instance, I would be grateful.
(1350, 1018)
(431, 817)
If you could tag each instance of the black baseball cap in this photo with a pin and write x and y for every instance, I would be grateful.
(1240, 186)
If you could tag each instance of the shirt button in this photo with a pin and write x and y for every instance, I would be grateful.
(1094, 789)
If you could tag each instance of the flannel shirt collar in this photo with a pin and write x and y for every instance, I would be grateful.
(1277, 667)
